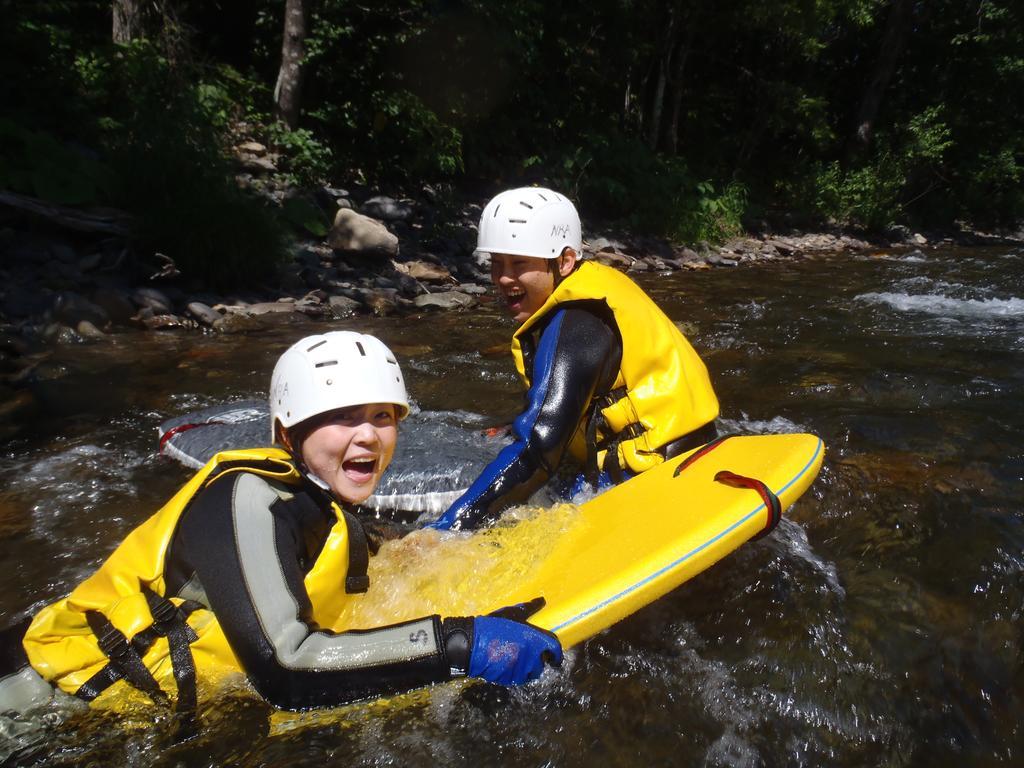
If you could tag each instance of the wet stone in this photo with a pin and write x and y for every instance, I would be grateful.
(446, 300)
(425, 271)
(164, 323)
(343, 306)
(154, 299)
(115, 303)
(237, 323)
(87, 330)
(382, 303)
(270, 307)
(71, 308)
(387, 209)
(203, 313)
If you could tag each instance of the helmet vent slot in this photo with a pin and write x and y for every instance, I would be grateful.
(362, 351)
(542, 197)
(325, 363)
(517, 221)
(523, 202)
(318, 344)
(496, 209)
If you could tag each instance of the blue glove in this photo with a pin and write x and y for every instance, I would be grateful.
(502, 647)
(511, 652)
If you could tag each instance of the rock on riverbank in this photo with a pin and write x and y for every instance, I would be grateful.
(382, 255)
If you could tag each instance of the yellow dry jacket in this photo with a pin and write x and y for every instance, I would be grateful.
(62, 643)
(662, 391)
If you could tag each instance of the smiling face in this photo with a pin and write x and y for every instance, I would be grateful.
(526, 282)
(350, 448)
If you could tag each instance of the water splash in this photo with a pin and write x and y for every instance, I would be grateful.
(942, 305)
(455, 574)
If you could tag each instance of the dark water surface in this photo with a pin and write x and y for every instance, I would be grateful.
(879, 625)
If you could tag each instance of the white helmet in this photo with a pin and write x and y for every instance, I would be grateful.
(529, 221)
(333, 370)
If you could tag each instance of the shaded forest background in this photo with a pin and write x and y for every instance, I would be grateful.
(684, 119)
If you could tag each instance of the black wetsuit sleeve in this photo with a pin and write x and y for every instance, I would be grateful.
(577, 355)
(250, 550)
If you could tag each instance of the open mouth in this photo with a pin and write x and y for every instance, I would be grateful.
(514, 297)
(360, 470)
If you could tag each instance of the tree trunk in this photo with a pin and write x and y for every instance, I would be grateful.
(657, 106)
(676, 95)
(127, 20)
(293, 52)
(896, 26)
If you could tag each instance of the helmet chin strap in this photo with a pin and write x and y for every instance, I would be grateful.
(556, 271)
(556, 268)
(285, 440)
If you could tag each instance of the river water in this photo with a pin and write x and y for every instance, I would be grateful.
(880, 624)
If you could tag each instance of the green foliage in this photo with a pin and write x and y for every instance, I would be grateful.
(619, 178)
(308, 161)
(175, 176)
(672, 117)
(868, 196)
(304, 214)
(36, 163)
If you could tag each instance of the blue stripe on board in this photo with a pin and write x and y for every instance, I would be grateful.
(689, 554)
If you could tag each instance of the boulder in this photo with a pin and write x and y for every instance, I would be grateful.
(71, 309)
(256, 164)
(115, 303)
(382, 303)
(252, 147)
(343, 306)
(163, 322)
(424, 271)
(352, 231)
(387, 209)
(270, 307)
(446, 300)
(154, 299)
(204, 313)
(87, 330)
(237, 323)
(611, 259)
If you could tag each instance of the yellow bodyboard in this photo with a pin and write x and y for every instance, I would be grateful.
(600, 562)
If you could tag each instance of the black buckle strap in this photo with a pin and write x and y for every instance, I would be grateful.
(169, 621)
(124, 659)
(356, 580)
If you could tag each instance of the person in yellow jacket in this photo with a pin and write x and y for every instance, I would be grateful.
(611, 380)
(241, 567)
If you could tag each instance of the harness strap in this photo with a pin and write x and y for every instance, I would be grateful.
(356, 580)
(167, 622)
(611, 458)
(771, 501)
(124, 658)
